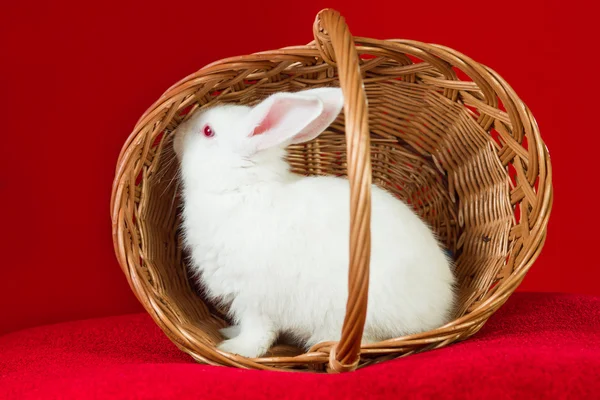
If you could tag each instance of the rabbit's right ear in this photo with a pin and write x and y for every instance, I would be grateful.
(281, 117)
(333, 102)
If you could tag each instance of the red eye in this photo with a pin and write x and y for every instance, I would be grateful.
(208, 132)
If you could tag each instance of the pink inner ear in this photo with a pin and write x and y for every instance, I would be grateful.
(264, 126)
(275, 113)
(267, 123)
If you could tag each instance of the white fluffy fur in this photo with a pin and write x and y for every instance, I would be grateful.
(274, 246)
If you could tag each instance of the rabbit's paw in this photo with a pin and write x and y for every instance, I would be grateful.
(246, 346)
(230, 332)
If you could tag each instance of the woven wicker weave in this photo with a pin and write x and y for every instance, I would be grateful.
(439, 130)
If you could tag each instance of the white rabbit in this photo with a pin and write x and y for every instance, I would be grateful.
(274, 245)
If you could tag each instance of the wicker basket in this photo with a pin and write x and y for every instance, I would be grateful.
(442, 132)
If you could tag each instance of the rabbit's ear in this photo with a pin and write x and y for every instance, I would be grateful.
(333, 101)
(280, 117)
(292, 117)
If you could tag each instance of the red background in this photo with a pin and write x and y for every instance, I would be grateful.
(75, 77)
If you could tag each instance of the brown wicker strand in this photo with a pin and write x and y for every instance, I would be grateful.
(346, 354)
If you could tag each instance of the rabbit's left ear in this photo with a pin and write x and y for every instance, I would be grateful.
(293, 117)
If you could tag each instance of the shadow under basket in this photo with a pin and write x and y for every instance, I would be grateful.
(442, 132)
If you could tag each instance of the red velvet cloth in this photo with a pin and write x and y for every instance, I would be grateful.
(537, 345)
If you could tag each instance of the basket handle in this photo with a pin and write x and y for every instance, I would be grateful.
(336, 46)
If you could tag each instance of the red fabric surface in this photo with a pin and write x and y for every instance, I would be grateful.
(537, 345)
